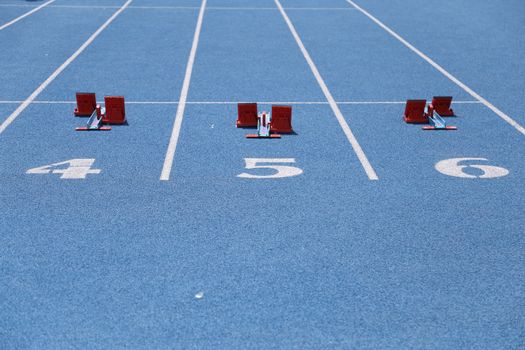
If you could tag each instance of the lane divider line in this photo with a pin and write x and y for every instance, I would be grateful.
(172, 146)
(370, 172)
(226, 8)
(236, 102)
(442, 70)
(29, 13)
(59, 70)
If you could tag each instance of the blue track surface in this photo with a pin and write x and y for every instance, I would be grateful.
(328, 259)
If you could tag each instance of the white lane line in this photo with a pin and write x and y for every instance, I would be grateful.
(172, 146)
(29, 13)
(129, 8)
(64, 65)
(442, 70)
(226, 8)
(275, 9)
(309, 102)
(236, 102)
(342, 122)
(17, 5)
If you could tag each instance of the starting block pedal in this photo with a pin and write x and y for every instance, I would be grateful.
(264, 123)
(437, 122)
(415, 112)
(282, 119)
(95, 122)
(115, 110)
(441, 104)
(247, 115)
(86, 104)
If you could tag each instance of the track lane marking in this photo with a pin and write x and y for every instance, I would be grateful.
(233, 8)
(172, 146)
(442, 70)
(236, 102)
(29, 13)
(370, 172)
(59, 70)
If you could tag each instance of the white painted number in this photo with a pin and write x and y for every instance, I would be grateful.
(282, 170)
(452, 167)
(76, 169)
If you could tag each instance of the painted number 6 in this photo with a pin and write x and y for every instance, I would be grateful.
(281, 170)
(452, 167)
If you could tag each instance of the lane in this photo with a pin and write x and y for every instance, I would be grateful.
(447, 250)
(84, 259)
(98, 3)
(9, 15)
(481, 43)
(326, 259)
(401, 75)
(129, 65)
(41, 87)
(261, 251)
(40, 45)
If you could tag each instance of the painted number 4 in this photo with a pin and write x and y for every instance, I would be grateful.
(70, 169)
(274, 164)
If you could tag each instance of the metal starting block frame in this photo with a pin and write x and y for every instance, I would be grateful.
(437, 122)
(264, 122)
(95, 122)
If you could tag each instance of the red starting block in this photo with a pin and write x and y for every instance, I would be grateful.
(115, 110)
(415, 112)
(246, 115)
(281, 119)
(441, 105)
(86, 103)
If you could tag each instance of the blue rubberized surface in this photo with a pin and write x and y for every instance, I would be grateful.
(324, 260)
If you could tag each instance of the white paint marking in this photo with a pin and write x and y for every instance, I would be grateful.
(59, 70)
(442, 70)
(26, 14)
(77, 169)
(286, 8)
(18, 5)
(236, 102)
(451, 167)
(225, 8)
(342, 122)
(281, 170)
(172, 146)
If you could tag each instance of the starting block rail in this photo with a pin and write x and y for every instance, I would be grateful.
(264, 126)
(437, 122)
(95, 122)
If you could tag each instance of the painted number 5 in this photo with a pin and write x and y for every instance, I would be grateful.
(270, 163)
(452, 167)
